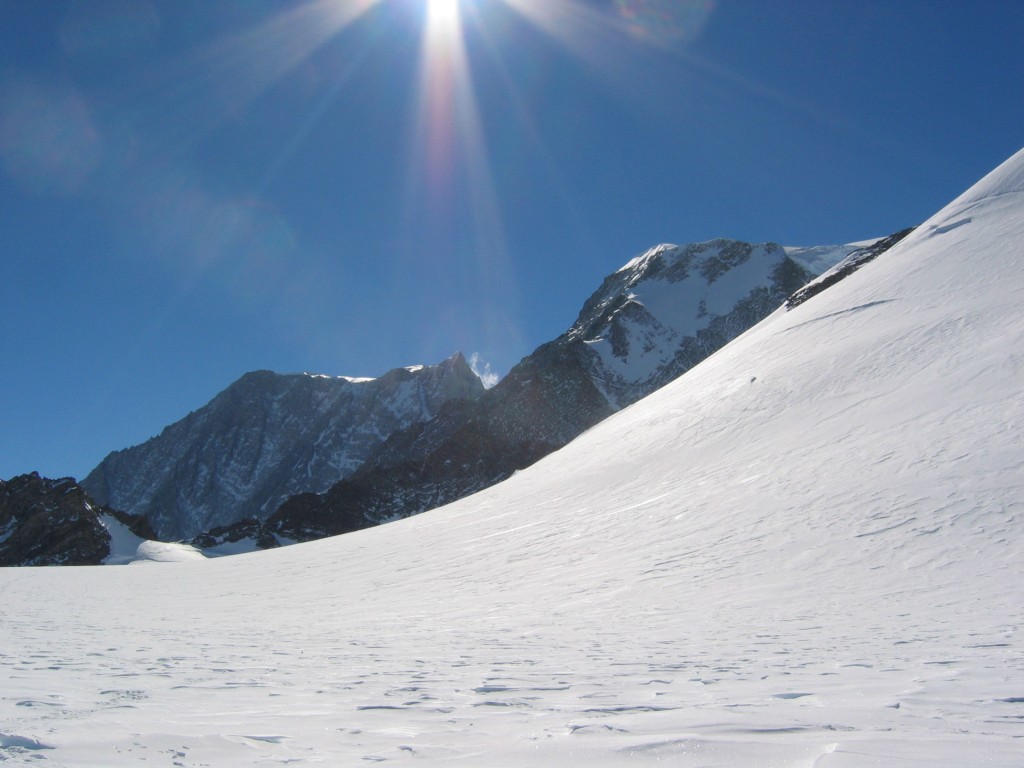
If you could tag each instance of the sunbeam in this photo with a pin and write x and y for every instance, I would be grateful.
(247, 64)
(452, 210)
(221, 79)
(447, 105)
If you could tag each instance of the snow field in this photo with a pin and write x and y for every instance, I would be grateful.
(807, 552)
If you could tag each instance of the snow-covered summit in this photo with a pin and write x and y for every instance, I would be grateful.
(673, 305)
(637, 263)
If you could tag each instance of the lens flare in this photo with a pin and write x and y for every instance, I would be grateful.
(666, 21)
(48, 140)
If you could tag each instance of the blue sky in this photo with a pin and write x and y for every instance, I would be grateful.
(190, 190)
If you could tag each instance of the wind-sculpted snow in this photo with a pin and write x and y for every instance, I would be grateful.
(806, 551)
(267, 437)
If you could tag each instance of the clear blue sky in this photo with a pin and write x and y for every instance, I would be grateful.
(193, 189)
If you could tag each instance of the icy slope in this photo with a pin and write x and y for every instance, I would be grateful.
(807, 551)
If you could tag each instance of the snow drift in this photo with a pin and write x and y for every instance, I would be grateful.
(807, 551)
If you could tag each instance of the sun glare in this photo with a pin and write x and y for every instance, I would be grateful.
(443, 12)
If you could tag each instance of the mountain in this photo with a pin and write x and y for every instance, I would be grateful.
(805, 551)
(54, 522)
(277, 459)
(266, 437)
(668, 309)
(649, 322)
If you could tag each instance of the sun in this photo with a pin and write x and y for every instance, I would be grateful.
(443, 12)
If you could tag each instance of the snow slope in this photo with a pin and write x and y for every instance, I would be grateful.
(127, 549)
(806, 551)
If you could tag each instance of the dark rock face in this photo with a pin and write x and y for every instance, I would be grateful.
(648, 323)
(267, 437)
(249, 529)
(54, 522)
(539, 407)
(311, 516)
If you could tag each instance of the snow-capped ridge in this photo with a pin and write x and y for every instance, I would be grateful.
(675, 304)
(650, 253)
(646, 324)
(349, 379)
(857, 259)
(818, 259)
(1005, 179)
(449, 363)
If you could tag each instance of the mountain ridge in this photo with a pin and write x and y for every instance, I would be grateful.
(648, 322)
(268, 436)
(667, 308)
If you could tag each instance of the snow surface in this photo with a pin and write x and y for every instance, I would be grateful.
(127, 548)
(805, 552)
(124, 545)
(349, 379)
(818, 259)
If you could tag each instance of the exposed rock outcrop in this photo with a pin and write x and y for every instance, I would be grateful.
(54, 522)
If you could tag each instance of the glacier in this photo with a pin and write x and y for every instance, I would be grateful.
(806, 551)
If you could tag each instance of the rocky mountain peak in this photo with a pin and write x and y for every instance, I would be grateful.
(673, 305)
(269, 436)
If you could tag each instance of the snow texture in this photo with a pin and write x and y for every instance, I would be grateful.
(807, 551)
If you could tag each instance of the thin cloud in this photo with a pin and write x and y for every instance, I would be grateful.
(483, 370)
